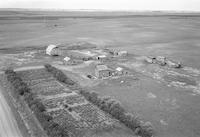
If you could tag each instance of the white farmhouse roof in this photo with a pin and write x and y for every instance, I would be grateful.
(119, 69)
(50, 48)
(102, 56)
(66, 59)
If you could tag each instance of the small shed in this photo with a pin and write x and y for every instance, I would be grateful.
(122, 53)
(150, 59)
(173, 64)
(66, 59)
(102, 71)
(100, 57)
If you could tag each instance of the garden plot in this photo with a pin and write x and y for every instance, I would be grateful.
(45, 85)
(37, 81)
(68, 108)
(55, 91)
(37, 74)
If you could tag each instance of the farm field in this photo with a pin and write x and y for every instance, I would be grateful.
(168, 98)
(69, 109)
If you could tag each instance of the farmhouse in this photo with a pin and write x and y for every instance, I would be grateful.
(119, 70)
(161, 60)
(102, 71)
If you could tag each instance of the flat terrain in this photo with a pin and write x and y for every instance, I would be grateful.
(173, 110)
(70, 109)
(8, 126)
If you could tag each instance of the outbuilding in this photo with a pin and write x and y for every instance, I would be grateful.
(50, 48)
(102, 71)
(100, 57)
(119, 70)
(53, 50)
(122, 53)
(161, 60)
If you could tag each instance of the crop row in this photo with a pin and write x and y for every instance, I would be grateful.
(61, 108)
(21, 90)
(109, 105)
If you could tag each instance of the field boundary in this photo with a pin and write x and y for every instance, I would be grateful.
(107, 104)
(23, 112)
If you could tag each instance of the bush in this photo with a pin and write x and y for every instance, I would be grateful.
(21, 89)
(59, 75)
(115, 109)
(19, 86)
(109, 105)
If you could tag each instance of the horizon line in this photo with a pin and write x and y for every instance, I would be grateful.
(102, 10)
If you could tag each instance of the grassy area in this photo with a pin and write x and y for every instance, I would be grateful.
(114, 108)
(109, 105)
(176, 37)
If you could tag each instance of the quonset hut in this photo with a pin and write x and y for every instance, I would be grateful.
(53, 50)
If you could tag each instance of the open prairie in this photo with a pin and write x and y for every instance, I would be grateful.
(152, 92)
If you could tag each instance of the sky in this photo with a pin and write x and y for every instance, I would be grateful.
(175, 5)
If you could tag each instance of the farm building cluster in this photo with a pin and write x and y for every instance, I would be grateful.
(76, 57)
(67, 107)
(102, 59)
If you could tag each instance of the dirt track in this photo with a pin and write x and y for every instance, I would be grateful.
(8, 125)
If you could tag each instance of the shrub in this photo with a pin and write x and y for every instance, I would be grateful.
(21, 89)
(115, 109)
(146, 129)
(109, 105)
(59, 75)
(19, 86)
(39, 106)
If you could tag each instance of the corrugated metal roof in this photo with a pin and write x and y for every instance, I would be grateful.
(50, 48)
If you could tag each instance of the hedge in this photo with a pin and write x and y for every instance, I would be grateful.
(115, 109)
(109, 105)
(21, 89)
(59, 75)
